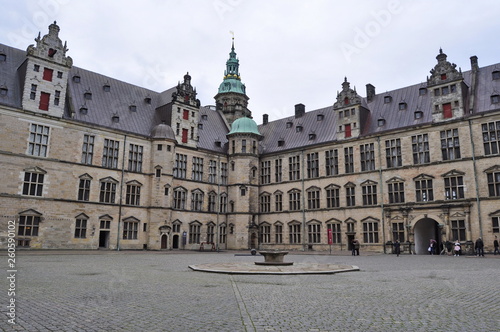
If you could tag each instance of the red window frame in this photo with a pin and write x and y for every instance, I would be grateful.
(348, 130)
(47, 74)
(185, 115)
(447, 113)
(44, 101)
(184, 135)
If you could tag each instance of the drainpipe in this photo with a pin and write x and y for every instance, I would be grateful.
(381, 192)
(304, 244)
(218, 204)
(120, 201)
(478, 202)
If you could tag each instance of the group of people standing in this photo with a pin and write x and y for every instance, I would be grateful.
(457, 247)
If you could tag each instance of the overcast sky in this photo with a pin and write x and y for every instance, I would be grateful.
(290, 51)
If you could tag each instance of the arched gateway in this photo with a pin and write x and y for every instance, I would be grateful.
(424, 230)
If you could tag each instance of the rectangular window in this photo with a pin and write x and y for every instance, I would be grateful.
(194, 233)
(393, 153)
(265, 172)
(57, 97)
(349, 160)
(223, 173)
(212, 171)
(454, 187)
(135, 158)
(133, 195)
(130, 230)
(367, 157)
(493, 184)
(88, 149)
(28, 226)
(180, 166)
(396, 192)
(314, 233)
(332, 197)
(447, 112)
(265, 234)
(369, 193)
(33, 91)
(313, 199)
(398, 231)
(294, 200)
(212, 200)
(491, 137)
(332, 162)
(277, 170)
(197, 173)
(294, 168)
(222, 234)
(47, 74)
(107, 192)
(420, 149)
(223, 203)
(278, 233)
(210, 233)
(265, 203)
(294, 233)
(184, 135)
(450, 144)
(312, 165)
(495, 224)
(243, 146)
(84, 190)
(423, 190)
(33, 184)
(458, 230)
(278, 202)
(179, 199)
(196, 200)
(38, 144)
(350, 196)
(44, 101)
(370, 232)
(336, 233)
(81, 228)
(110, 153)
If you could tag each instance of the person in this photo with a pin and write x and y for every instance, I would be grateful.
(397, 248)
(495, 245)
(355, 247)
(479, 246)
(449, 247)
(432, 247)
(457, 248)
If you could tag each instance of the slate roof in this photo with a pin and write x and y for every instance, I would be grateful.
(9, 77)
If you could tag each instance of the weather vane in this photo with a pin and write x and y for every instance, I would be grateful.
(232, 33)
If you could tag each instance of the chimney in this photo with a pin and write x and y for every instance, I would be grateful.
(473, 63)
(265, 119)
(300, 109)
(370, 92)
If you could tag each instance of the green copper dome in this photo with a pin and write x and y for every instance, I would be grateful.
(244, 125)
(232, 85)
(232, 79)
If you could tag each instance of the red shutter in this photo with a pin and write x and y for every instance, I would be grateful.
(185, 115)
(447, 114)
(346, 101)
(184, 135)
(44, 101)
(348, 130)
(47, 74)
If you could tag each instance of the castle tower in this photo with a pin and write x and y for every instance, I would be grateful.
(231, 98)
(350, 114)
(243, 182)
(46, 74)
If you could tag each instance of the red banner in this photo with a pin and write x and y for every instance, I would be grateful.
(330, 239)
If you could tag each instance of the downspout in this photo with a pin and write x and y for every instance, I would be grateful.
(381, 192)
(478, 201)
(120, 201)
(218, 204)
(304, 244)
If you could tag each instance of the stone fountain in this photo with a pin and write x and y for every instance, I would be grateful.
(273, 257)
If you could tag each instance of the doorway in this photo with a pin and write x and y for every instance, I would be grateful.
(175, 241)
(104, 239)
(425, 230)
(164, 241)
(350, 238)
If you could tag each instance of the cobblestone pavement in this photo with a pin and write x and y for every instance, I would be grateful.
(156, 291)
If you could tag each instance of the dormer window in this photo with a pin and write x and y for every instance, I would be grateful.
(298, 129)
(443, 77)
(312, 136)
(289, 124)
(3, 91)
(495, 99)
(132, 108)
(402, 106)
(422, 91)
(147, 100)
(495, 75)
(387, 99)
(84, 110)
(115, 118)
(218, 144)
(204, 117)
(418, 115)
(3, 57)
(200, 125)
(106, 88)
(281, 142)
(320, 117)
(381, 122)
(87, 95)
(76, 79)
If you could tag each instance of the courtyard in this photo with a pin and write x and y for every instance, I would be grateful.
(156, 291)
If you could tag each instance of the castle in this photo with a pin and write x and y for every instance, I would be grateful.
(91, 162)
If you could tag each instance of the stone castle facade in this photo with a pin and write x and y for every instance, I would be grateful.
(92, 162)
